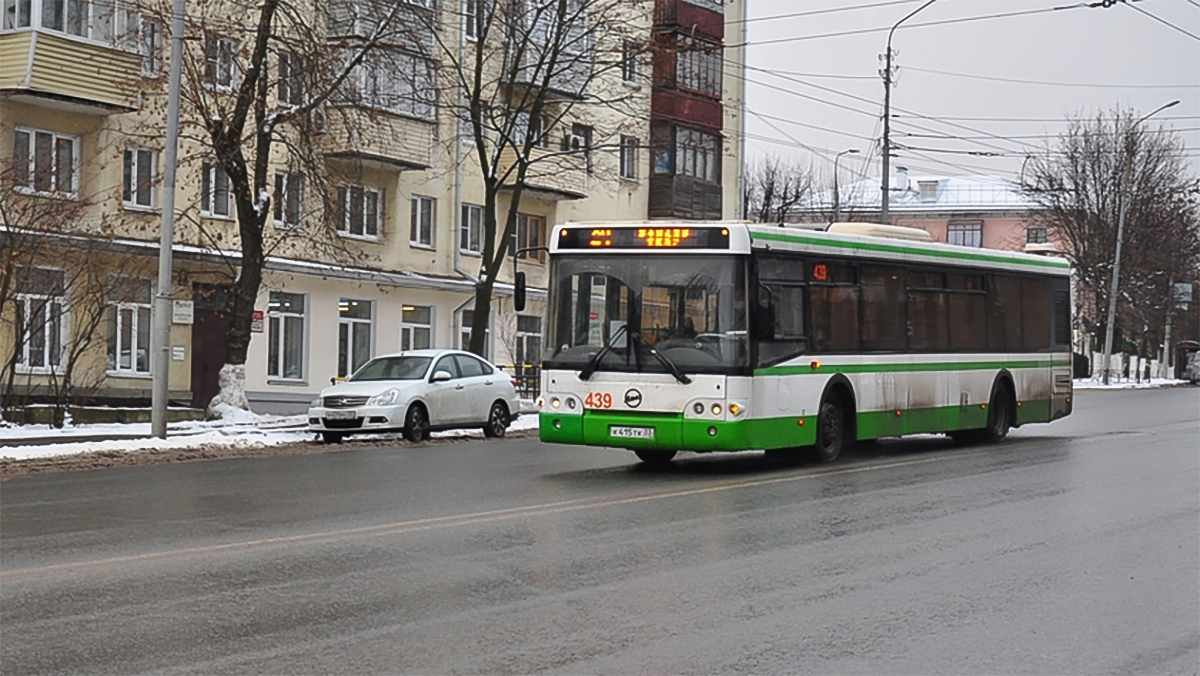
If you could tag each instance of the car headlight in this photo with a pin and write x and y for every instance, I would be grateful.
(316, 402)
(385, 398)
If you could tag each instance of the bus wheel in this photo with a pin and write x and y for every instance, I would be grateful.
(998, 415)
(655, 458)
(831, 431)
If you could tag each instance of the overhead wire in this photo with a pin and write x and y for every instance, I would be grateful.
(1163, 21)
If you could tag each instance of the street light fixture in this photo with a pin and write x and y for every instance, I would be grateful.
(837, 197)
(1126, 161)
(886, 188)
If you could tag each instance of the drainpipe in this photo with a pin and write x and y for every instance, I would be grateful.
(457, 217)
(28, 81)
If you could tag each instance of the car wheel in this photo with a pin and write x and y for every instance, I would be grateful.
(332, 437)
(831, 431)
(497, 422)
(416, 424)
(998, 416)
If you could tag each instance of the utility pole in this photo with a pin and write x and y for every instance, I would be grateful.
(837, 197)
(160, 357)
(885, 186)
(1116, 273)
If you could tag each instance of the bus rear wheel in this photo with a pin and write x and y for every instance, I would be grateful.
(997, 421)
(831, 431)
(655, 458)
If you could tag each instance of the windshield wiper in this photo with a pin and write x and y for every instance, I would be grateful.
(594, 362)
(670, 365)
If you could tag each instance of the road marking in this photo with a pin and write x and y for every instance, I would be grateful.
(456, 520)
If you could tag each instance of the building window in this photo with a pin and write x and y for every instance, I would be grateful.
(17, 14)
(214, 191)
(41, 320)
(965, 233)
(416, 327)
(289, 199)
(395, 81)
(423, 217)
(529, 344)
(471, 19)
(629, 63)
(1035, 235)
(45, 162)
(629, 148)
(929, 190)
(358, 208)
(220, 61)
(291, 79)
(149, 44)
(698, 155)
(129, 325)
(523, 127)
(531, 232)
(140, 174)
(699, 67)
(285, 337)
(470, 230)
(354, 335)
(464, 335)
(581, 140)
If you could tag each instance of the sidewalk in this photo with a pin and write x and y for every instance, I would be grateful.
(1127, 384)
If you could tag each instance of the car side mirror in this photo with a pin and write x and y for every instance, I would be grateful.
(519, 291)
(440, 377)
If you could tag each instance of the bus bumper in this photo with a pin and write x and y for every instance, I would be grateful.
(674, 433)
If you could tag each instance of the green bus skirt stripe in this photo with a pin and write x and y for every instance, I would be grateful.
(889, 248)
(803, 369)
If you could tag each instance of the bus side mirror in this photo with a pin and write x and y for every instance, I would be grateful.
(519, 291)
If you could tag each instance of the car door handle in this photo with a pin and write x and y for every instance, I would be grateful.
(458, 387)
(487, 382)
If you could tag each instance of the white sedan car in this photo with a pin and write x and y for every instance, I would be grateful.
(416, 392)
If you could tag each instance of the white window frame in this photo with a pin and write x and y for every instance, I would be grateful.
(471, 20)
(470, 229)
(372, 223)
(346, 363)
(409, 327)
(290, 91)
(26, 302)
(524, 337)
(137, 313)
(220, 56)
(54, 170)
(464, 333)
(629, 63)
(422, 216)
(288, 184)
(210, 175)
(965, 233)
(520, 238)
(135, 160)
(277, 321)
(629, 158)
(149, 45)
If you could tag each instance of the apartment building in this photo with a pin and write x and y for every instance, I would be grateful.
(82, 117)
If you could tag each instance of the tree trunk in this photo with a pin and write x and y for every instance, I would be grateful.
(481, 315)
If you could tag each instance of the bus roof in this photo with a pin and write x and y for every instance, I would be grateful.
(864, 240)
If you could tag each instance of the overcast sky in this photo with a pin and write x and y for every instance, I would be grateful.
(1065, 62)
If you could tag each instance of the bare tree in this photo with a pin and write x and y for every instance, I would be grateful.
(774, 188)
(525, 86)
(1078, 181)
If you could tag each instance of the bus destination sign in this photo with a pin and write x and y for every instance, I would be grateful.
(643, 238)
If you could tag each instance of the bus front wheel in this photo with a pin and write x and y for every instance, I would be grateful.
(655, 458)
(831, 431)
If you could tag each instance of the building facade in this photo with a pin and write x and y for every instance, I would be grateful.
(82, 101)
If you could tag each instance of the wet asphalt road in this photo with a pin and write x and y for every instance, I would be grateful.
(1071, 548)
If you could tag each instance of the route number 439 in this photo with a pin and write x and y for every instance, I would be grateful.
(598, 400)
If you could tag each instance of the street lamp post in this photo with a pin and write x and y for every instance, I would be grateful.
(885, 187)
(837, 197)
(1126, 161)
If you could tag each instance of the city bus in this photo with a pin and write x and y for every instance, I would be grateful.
(728, 336)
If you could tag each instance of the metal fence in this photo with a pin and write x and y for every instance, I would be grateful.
(529, 379)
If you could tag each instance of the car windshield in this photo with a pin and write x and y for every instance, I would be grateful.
(690, 309)
(392, 368)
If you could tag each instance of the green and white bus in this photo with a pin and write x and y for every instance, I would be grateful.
(727, 336)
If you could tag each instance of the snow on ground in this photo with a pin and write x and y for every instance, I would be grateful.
(1121, 384)
(250, 430)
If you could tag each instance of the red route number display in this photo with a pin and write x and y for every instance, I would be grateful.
(598, 400)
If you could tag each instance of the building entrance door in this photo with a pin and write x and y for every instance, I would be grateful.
(209, 326)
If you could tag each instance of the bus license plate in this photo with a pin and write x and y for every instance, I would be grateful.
(631, 432)
(341, 415)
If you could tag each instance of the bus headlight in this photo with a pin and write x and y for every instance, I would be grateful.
(555, 402)
(716, 409)
(698, 407)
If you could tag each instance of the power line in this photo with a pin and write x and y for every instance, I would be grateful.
(815, 12)
(1165, 130)
(1047, 83)
(1163, 21)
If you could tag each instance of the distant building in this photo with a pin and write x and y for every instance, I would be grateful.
(974, 211)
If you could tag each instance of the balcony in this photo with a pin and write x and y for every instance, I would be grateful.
(56, 71)
(552, 175)
(376, 138)
(698, 17)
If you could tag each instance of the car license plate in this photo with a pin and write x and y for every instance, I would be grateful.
(631, 432)
(341, 415)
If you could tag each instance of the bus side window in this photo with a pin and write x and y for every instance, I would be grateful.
(1060, 292)
(1004, 314)
(786, 338)
(883, 313)
(1037, 314)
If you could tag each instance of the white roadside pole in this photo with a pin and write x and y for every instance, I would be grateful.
(160, 348)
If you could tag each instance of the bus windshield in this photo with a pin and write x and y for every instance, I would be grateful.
(690, 309)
